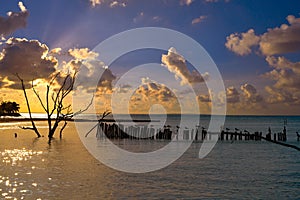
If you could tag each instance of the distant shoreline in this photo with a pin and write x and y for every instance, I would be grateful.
(10, 115)
(7, 119)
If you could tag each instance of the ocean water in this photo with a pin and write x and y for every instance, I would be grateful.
(31, 169)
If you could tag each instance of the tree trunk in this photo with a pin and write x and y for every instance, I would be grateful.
(61, 130)
(52, 131)
(28, 107)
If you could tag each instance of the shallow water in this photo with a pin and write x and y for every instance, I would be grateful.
(31, 169)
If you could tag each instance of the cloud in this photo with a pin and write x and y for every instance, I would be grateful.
(215, 1)
(278, 40)
(145, 18)
(96, 2)
(156, 18)
(116, 4)
(139, 17)
(13, 21)
(110, 3)
(205, 98)
(186, 2)
(28, 58)
(55, 51)
(150, 93)
(32, 60)
(286, 73)
(89, 72)
(123, 88)
(280, 95)
(199, 19)
(105, 81)
(232, 95)
(241, 44)
(283, 39)
(176, 64)
(158, 91)
(22, 7)
(82, 53)
(250, 93)
(241, 100)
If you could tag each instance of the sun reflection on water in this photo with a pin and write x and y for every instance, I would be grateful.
(15, 155)
(18, 184)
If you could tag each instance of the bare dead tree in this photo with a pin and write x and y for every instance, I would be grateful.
(54, 104)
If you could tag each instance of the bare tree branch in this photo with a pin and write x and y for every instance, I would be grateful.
(86, 108)
(54, 78)
(26, 128)
(39, 98)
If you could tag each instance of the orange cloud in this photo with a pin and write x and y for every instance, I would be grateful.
(83, 53)
(150, 93)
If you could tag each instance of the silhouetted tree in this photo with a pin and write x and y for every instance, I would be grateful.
(54, 103)
(9, 108)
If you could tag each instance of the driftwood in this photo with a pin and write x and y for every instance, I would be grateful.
(281, 143)
(105, 114)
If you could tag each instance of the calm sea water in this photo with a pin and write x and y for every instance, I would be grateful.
(31, 169)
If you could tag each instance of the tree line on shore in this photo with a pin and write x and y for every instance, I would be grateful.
(9, 108)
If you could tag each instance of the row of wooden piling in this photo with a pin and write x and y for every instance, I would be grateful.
(114, 131)
(120, 131)
(277, 136)
(227, 135)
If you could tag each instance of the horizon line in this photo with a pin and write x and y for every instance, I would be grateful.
(262, 115)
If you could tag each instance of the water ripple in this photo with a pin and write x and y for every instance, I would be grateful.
(17, 166)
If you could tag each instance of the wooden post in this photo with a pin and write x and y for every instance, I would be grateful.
(284, 133)
(185, 134)
(222, 135)
(260, 135)
(240, 136)
(152, 131)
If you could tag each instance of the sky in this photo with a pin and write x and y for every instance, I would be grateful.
(255, 46)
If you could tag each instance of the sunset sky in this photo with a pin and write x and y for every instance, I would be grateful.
(255, 45)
